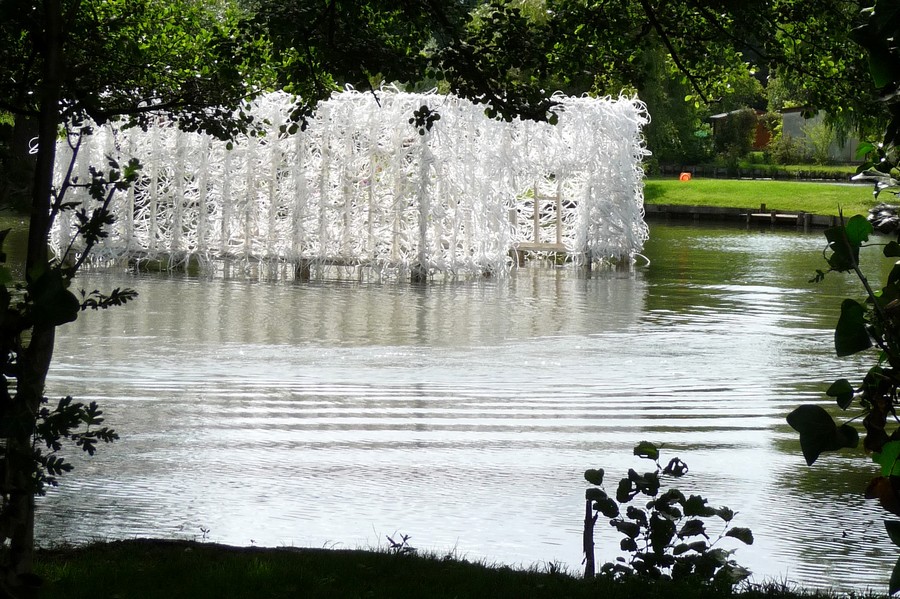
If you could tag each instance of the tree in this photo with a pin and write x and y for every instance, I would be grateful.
(63, 62)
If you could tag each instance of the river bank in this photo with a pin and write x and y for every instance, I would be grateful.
(150, 569)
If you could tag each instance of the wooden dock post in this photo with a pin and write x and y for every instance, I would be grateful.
(303, 271)
(418, 274)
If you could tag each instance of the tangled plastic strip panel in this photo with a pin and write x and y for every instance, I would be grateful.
(362, 187)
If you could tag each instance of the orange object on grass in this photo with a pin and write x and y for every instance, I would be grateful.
(684, 177)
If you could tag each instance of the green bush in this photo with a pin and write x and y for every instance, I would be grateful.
(820, 137)
(784, 149)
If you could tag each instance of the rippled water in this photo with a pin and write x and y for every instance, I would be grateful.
(464, 413)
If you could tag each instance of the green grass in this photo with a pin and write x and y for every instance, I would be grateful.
(815, 198)
(181, 569)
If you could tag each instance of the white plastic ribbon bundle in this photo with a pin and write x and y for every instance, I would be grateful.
(361, 187)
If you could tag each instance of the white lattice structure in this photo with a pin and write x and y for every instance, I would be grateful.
(361, 187)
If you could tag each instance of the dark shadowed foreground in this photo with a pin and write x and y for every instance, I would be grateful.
(173, 569)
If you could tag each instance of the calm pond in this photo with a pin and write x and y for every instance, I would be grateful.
(464, 413)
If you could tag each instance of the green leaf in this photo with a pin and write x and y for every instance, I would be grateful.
(594, 494)
(594, 476)
(818, 432)
(607, 507)
(698, 546)
(624, 492)
(662, 531)
(741, 534)
(893, 530)
(843, 391)
(647, 483)
(53, 304)
(629, 529)
(858, 230)
(864, 148)
(675, 468)
(847, 437)
(842, 257)
(725, 513)
(692, 528)
(887, 458)
(882, 67)
(850, 335)
(695, 505)
(647, 450)
(894, 275)
(845, 242)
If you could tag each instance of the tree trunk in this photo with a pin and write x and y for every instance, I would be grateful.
(33, 361)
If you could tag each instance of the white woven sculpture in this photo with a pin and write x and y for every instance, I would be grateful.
(361, 187)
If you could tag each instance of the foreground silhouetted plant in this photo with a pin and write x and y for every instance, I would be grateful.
(667, 538)
(873, 324)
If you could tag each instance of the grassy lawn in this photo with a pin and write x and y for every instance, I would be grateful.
(816, 198)
(181, 569)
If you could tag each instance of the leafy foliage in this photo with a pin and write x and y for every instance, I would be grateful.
(878, 35)
(861, 327)
(669, 536)
(136, 59)
(873, 324)
(512, 55)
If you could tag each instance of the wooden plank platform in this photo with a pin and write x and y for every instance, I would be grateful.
(540, 247)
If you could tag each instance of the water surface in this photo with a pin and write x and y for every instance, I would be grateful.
(464, 413)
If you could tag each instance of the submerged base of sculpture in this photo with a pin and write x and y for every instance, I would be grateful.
(339, 270)
(363, 188)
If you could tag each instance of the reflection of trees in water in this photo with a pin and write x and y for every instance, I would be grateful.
(842, 536)
(730, 268)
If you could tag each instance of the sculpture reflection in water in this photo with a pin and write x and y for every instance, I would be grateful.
(363, 186)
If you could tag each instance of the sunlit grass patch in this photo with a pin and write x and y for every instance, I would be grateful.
(793, 196)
